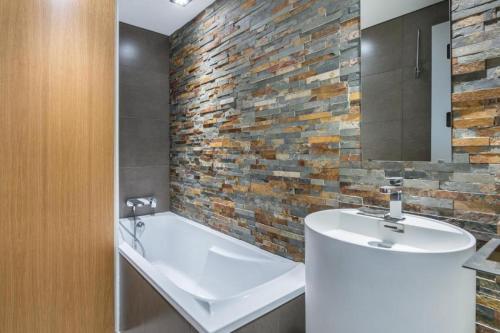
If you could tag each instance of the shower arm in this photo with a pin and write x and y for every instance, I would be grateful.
(418, 70)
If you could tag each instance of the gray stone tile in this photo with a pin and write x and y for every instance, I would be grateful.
(381, 140)
(380, 51)
(144, 116)
(143, 142)
(416, 93)
(268, 323)
(292, 316)
(416, 140)
(144, 181)
(139, 48)
(422, 19)
(382, 96)
(143, 93)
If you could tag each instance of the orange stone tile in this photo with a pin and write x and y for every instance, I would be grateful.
(476, 95)
(471, 142)
(473, 122)
(324, 139)
(459, 69)
(329, 91)
(485, 159)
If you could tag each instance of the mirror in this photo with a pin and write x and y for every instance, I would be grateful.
(405, 80)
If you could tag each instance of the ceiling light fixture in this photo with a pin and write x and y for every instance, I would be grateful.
(182, 3)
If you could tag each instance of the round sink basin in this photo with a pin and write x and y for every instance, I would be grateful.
(366, 274)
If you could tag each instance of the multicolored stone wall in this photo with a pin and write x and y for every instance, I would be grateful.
(260, 93)
(265, 125)
(476, 110)
(476, 72)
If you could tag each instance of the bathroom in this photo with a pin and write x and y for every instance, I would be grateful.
(250, 166)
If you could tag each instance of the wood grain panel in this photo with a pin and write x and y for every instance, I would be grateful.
(56, 165)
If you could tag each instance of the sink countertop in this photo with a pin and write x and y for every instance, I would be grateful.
(481, 260)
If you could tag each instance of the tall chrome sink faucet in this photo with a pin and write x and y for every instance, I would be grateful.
(395, 191)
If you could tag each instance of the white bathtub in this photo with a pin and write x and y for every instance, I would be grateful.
(218, 283)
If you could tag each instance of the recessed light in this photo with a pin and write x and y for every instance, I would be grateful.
(181, 2)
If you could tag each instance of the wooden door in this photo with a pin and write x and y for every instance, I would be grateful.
(56, 165)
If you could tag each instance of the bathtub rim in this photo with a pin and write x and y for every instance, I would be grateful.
(155, 279)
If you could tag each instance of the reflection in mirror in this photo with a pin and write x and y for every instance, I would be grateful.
(405, 80)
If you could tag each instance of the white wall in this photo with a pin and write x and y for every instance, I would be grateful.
(377, 11)
(160, 16)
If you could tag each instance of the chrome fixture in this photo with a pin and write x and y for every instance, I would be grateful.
(395, 191)
(182, 3)
(418, 70)
(372, 212)
(140, 202)
(387, 221)
(131, 234)
(138, 225)
(395, 214)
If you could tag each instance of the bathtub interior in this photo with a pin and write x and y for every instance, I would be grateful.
(201, 262)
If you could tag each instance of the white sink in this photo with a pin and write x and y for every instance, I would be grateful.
(362, 275)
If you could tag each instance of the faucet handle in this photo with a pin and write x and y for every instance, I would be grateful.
(396, 184)
(153, 202)
(386, 189)
(142, 202)
(134, 202)
(395, 181)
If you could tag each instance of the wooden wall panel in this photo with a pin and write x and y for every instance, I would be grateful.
(56, 165)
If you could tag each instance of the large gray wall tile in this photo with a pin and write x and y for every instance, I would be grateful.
(382, 99)
(144, 181)
(144, 116)
(377, 47)
(143, 49)
(143, 93)
(422, 19)
(381, 140)
(416, 95)
(144, 142)
(416, 142)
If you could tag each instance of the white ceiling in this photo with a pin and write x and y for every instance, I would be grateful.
(159, 15)
(375, 11)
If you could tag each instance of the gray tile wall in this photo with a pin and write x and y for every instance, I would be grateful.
(396, 108)
(144, 116)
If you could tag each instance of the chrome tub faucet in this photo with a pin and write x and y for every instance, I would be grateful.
(140, 202)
